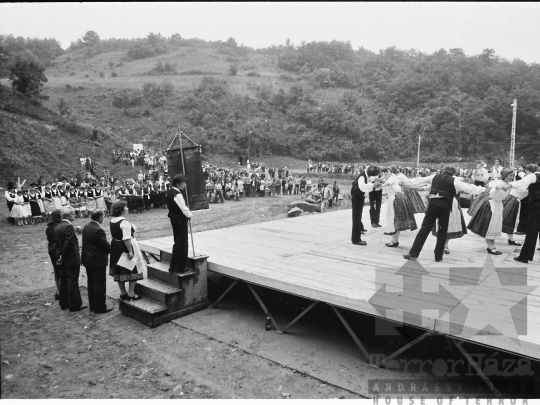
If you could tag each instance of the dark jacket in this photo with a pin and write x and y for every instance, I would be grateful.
(67, 244)
(95, 248)
(51, 226)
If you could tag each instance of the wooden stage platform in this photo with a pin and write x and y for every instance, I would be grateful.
(470, 296)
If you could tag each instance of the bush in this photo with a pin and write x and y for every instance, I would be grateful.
(114, 74)
(127, 98)
(162, 68)
(233, 70)
(72, 73)
(254, 74)
(86, 75)
(101, 75)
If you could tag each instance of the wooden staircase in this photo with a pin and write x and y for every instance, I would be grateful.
(167, 296)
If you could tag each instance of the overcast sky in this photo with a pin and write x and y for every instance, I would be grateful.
(512, 29)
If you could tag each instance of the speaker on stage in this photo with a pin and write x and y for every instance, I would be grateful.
(196, 186)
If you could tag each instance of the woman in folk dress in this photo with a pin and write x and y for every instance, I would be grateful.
(48, 202)
(100, 201)
(488, 221)
(18, 211)
(26, 207)
(399, 211)
(56, 197)
(34, 207)
(90, 199)
(82, 201)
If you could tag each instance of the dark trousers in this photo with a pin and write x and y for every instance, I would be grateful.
(533, 231)
(180, 247)
(357, 225)
(70, 296)
(375, 200)
(438, 208)
(479, 183)
(97, 286)
(523, 215)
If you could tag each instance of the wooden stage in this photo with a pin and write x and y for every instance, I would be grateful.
(312, 256)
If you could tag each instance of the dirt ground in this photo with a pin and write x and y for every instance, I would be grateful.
(49, 353)
(216, 353)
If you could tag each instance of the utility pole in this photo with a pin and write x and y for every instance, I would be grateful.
(418, 156)
(513, 136)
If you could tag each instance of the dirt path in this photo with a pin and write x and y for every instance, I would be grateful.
(50, 353)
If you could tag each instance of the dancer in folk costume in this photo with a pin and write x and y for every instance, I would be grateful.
(100, 201)
(154, 195)
(409, 188)
(146, 190)
(456, 225)
(82, 201)
(11, 196)
(56, 197)
(488, 220)
(532, 183)
(62, 193)
(138, 202)
(18, 212)
(444, 187)
(90, 199)
(41, 204)
(73, 200)
(48, 201)
(34, 206)
(399, 211)
(27, 207)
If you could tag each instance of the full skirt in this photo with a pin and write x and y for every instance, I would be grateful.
(419, 207)
(403, 213)
(511, 207)
(119, 273)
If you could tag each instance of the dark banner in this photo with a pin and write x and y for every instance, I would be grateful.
(196, 185)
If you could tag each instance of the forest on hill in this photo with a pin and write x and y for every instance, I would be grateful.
(381, 102)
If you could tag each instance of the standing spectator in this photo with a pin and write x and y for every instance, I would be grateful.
(123, 241)
(95, 255)
(336, 192)
(55, 219)
(179, 215)
(88, 163)
(95, 135)
(82, 159)
(69, 260)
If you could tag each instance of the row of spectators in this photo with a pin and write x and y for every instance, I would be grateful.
(147, 159)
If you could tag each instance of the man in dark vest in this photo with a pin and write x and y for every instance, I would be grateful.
(532, 182)
(443, 190)
(179, 214)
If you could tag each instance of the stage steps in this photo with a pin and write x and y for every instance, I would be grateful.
(167, 296)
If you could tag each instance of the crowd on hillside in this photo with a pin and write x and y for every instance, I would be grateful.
(144, 158)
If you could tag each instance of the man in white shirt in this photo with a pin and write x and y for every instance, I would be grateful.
(179, 215)
(480, 175)
(495, 173)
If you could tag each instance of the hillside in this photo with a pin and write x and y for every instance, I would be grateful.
(281, 105)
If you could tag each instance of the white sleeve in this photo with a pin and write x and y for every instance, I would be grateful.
(365, 188)
(125, 226)
(497, 195)
(179, 199)
(468, 188)
(523, 184)
(8, 197)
